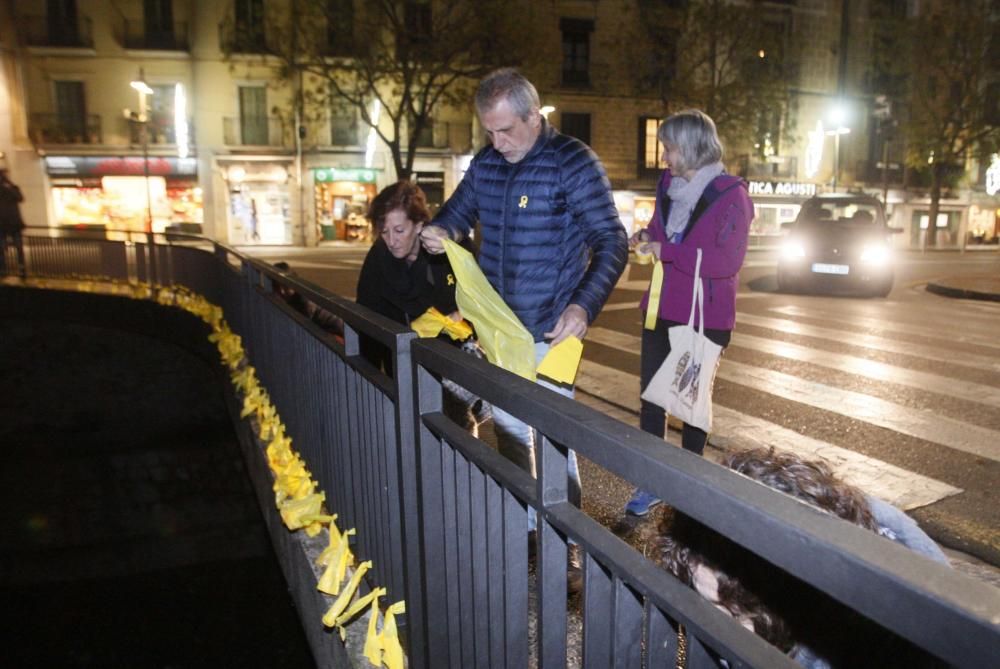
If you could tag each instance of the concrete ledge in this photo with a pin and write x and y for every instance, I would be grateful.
(297, 553)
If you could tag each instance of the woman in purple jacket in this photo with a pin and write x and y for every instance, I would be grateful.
(698, 207)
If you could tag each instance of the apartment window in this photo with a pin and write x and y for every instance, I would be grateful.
(651, 161)
(161, 114)
(253, 115)
(425, 139)
(576, 125)
(249, 24)
(71, 110)
(417, 20)
(343, 124)
(158, 22)
(339, 27)
(62, 22)
(576, 51)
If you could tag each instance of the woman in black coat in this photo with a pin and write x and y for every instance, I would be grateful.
(401, 281)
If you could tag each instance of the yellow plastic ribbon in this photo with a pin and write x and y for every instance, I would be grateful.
(292, 510)
(562, 361)
(336, 566)
(655, 286)
(324, 557)
(373, 642)
(432, 322)
(344, 599)
(359, 604)
(392, 651)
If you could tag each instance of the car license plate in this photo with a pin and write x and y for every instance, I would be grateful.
(823, 268)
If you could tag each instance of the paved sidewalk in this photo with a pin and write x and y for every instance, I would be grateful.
(975, 287)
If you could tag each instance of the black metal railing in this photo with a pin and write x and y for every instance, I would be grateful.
(60, 129)
(162, 130)
(46, 31)
(238, 38)
(444, 517)
(255, 131)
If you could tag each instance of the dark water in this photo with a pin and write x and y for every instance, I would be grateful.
(130, 534)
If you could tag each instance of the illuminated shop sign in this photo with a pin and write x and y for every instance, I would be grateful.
(357, 174)
(128, 166)
(993, 175)
(786, 188)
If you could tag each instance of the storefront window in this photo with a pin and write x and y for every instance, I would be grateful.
(119, 203)
(342, 196)
(983, 225)
(342, 210)
(260, 212)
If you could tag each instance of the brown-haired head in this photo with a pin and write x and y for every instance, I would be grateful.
(403, 195)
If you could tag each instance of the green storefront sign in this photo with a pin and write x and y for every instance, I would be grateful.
(356, 174)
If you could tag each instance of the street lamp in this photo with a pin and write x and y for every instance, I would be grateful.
(144, 90)
(838, 117)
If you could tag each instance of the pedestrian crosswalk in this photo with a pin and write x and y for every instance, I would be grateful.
(884, 370)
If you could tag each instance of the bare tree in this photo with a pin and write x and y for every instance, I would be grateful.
(719, 56)
(953, 60)
(411, 57)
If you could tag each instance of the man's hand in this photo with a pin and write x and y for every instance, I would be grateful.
(432, 237)
(572, 321)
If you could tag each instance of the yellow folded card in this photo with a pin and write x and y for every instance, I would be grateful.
(562, 361)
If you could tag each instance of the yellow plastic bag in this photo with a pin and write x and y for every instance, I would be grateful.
(507, 343)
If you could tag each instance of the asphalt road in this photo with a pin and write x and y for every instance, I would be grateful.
(901, 394)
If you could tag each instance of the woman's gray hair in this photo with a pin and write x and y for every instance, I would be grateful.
(693, 132)
(507, 83)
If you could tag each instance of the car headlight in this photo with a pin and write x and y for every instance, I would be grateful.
(793, 250)
(875, 253)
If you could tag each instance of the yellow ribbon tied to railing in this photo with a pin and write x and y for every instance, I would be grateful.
(340, 604)
(392, 650)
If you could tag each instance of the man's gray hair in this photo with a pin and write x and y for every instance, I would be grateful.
(693, 132)
(507, 83)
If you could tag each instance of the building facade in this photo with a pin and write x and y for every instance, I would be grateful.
(116, 113)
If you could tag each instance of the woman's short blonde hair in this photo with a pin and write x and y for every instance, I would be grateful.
(693, 132)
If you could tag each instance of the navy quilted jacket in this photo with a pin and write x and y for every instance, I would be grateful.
(551, 236)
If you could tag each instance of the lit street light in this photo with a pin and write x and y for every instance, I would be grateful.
(142, 118)
(838, 118)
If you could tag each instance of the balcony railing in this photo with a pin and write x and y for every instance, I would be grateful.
(56, 129)
(235, 38)
(261, 131)
(40, 31)
(135, 35)
(162, 130)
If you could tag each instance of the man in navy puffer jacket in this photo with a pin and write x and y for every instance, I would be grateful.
(552, 243)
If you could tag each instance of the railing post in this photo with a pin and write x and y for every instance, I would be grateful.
(407, 442)
(551, 486)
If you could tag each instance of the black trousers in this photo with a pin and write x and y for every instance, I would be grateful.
(655, 349)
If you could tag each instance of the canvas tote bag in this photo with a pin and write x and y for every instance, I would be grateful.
(683, 383)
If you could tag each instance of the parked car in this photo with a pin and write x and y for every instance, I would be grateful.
(839, 242)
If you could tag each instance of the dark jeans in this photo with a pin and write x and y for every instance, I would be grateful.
(13, 238)
(655, 349)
